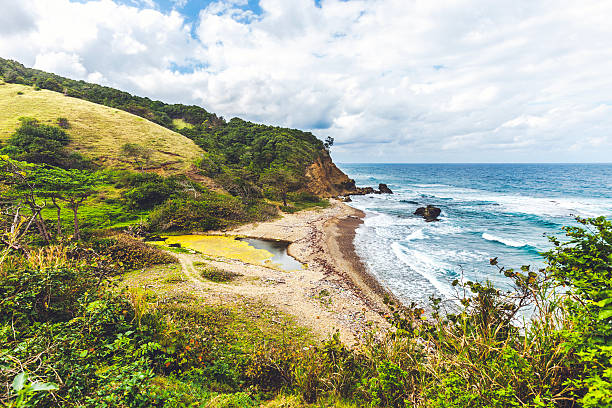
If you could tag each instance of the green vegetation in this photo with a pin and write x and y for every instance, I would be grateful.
(247, 160)
(215, 274)
(93, 317)
(96, 132)
(38, 143)
(71, 336)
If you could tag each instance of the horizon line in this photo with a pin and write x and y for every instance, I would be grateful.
(340, 162)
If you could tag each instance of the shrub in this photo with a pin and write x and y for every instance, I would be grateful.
(95, 354)
(63, 123)
(130, 253)
(150, 194)
(38, 143)
(304, 196)
(29, 295)
(52, 85)
(583, 266)
(211, 211)
(218, 275)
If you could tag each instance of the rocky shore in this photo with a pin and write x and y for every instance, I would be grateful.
(334, 291)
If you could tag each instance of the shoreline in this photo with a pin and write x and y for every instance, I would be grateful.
(334, 291)
(340, 241)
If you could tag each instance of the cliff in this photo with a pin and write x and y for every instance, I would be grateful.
(327, 180)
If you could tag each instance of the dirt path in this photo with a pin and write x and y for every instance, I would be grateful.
(188, 268)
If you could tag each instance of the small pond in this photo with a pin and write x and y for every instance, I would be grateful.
(279, 251)
(250, 250)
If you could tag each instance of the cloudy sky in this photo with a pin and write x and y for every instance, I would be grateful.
(390, 80)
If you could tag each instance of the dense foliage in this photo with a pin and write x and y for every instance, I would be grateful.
(39, 143)
(158, 112)
(234, 146)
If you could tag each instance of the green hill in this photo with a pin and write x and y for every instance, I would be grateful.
(240, 155)
(97, 131)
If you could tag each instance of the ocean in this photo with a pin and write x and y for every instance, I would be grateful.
(488, 210)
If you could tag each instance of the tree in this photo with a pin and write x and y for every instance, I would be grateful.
(29, 185)
(52, 85)
(74, 187)
(329, 142)
(140, 154)
(18, 191)
(35, 142)
(48, 182)
(280, 181)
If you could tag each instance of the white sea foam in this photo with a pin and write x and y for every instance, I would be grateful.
(548, 206)
(374, 219)
(424, 265)
(418, 234)
(505, 241)
(445, 228)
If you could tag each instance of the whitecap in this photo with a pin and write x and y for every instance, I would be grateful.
(506, 241)
(423, 265)
(418, 234)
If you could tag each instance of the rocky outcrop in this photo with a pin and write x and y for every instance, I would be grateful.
(363, 191)
(382, 187)
(326, 180)
(430, 213)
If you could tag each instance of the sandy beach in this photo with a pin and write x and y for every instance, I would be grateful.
(334, 291)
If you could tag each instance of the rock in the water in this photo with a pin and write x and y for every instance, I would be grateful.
(430, 213)
(382, 187)
(347, 199)
(363, 191)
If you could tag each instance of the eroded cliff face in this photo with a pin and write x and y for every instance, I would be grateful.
(327, 180)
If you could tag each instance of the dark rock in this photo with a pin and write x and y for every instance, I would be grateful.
(382, 187)
(430, 213)
(175, 245)
(347, 199)
(367, 190)
(363, 191)
(347, 185)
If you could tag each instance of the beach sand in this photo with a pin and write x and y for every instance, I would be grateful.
(334, 291)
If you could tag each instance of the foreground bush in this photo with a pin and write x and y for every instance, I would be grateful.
(67, 338)
(129, 253)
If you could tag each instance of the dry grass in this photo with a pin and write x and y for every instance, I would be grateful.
(181, 124)
(97, 131)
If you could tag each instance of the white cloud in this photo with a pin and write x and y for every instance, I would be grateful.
(69, 64)
(391, 80)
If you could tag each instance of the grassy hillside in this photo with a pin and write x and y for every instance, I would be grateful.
(97, 131)
(248, 159)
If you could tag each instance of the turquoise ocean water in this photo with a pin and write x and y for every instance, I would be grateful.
(488, 210)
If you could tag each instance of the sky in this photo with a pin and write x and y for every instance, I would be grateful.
(390, 80)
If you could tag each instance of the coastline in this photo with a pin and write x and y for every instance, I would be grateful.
(334, 292)
(340, 241)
